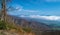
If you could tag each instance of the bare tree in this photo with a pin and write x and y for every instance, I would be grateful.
(3, 10)
(3, 4)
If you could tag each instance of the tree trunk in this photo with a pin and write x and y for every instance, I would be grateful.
(4, 10)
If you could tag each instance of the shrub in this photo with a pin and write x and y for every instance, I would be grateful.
(27, 30)
(2, 25)
(6, 26)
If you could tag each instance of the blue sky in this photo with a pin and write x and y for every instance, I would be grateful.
(41, 7)
(49, 8)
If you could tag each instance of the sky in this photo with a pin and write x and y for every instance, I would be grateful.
(48, 9)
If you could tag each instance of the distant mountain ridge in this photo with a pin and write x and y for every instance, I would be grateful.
(30, 23)
(36, 25)
(48, 22)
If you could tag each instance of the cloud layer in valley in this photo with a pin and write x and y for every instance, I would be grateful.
(43, 17)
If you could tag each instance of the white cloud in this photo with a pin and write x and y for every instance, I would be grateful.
(51, 17)
(47, 17)
(29, 10)
(19, 8)
(44, 17)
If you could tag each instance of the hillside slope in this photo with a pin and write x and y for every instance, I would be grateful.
(37, 27)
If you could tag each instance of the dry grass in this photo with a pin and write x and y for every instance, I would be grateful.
(13, 29)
